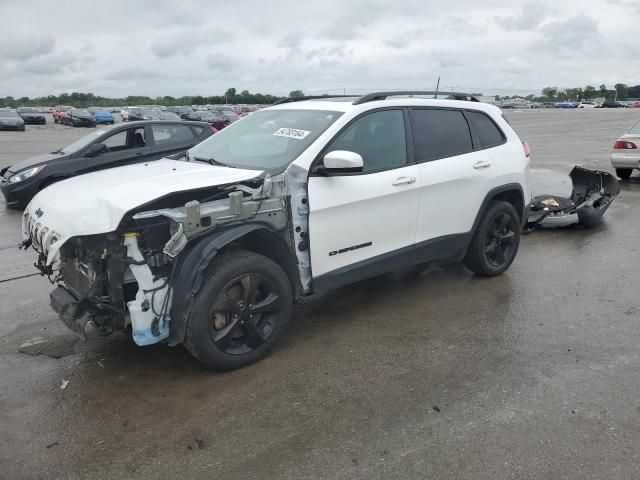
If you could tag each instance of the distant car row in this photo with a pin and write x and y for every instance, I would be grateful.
(583, 104)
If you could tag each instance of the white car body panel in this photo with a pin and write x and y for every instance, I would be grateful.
(451, 194)
(72, 207)
(354, 210)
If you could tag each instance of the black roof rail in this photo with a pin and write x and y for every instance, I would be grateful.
(370, 97)
(311, 97)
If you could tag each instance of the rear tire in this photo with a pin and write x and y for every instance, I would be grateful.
(495, 242)
(241, 311)
(624, 173)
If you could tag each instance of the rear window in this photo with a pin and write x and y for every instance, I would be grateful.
(439, 134)
(489, 133)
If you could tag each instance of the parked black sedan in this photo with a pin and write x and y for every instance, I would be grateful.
(10, 120)
(32, 116)
(78, 118)
(108, 147)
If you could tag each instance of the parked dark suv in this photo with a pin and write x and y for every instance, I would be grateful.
(105, 148)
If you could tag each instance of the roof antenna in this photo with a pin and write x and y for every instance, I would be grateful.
(437, 88)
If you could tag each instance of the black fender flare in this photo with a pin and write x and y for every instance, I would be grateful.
(495, 192)
(189, 270)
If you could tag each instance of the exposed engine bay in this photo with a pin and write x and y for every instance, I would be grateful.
(592, 193)
(127, 277)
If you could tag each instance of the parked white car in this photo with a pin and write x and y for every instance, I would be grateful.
(587, 105)
(625, 157)
(292, 201)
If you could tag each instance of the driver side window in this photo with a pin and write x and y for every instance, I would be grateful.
(378, 137)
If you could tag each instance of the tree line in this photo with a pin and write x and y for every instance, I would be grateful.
(83, 100)
(620, 91)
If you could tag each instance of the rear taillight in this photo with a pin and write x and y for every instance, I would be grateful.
(214, 130)
(624, 145)
(527, 149)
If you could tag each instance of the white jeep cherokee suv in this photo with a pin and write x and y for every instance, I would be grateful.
(212, 248)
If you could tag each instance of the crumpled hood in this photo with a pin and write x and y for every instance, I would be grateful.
(96, 202)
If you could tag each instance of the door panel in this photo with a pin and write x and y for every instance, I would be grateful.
(368, 212)
(453, 176)
(452, 192)
(354, 218)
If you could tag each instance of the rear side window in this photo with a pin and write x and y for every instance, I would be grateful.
(166, 134)
(439, 134)
(489, 133)
(197, 130)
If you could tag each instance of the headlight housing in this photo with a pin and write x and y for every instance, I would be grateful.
(24, 174)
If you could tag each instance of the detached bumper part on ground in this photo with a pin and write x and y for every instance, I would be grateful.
(592, 193)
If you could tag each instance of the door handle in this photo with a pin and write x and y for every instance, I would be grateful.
(139, 154)
(403, 181)
(481, 164)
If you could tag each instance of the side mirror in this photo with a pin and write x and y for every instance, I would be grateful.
(95, 149)
(341, 161)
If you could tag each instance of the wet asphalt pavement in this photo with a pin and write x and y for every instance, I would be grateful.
(434, 374)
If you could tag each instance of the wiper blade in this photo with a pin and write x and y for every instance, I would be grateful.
(59, 151)
(210, 161)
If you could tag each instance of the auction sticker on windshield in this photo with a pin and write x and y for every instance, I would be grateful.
(291, 133)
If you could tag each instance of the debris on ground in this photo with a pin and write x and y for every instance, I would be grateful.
(550, 202)
(51, 445)
(436, 408)
(59, 346)
(64, 384)
(200, 443)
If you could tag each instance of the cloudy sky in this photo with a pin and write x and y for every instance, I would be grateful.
(203, 47)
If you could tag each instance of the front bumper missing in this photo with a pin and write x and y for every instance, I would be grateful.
(592, 194)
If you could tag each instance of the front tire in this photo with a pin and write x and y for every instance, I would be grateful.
(241, 311)
(624, 173)
(495, 242)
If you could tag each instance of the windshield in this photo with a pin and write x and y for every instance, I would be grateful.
(80, 113)
(635, 128)
(28, 110)
(148, 111)
(99, 110)
(267, 140)
(8, 113)
(83, 142)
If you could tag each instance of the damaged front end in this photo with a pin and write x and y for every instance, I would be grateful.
(125, 278)
(592, 193)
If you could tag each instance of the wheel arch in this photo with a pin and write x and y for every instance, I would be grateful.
(511, 193)
(193, 263)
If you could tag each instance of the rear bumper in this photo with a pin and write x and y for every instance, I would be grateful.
(15, 128)
(625, 160)
(104, 120)
(35, 121)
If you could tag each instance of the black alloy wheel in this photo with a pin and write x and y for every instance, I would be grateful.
(495, 241)
(499, 243)
(241, 310)
(244, 314)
